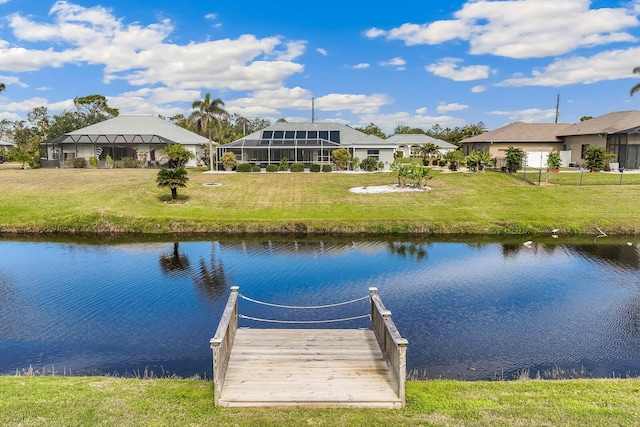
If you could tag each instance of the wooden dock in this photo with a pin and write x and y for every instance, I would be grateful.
(309, 367)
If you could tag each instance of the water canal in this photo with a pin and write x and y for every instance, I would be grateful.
(478, 309)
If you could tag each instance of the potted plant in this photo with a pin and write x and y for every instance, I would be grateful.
(554, 161)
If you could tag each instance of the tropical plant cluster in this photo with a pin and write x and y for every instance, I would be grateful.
(419, 174)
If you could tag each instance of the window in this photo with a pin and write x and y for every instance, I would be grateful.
(374, 153)
(584, 150)
(267, 134)
(289, 134)
(334, 136)
(301, 134)
(312, 134)
(323, 134)
(278, 134)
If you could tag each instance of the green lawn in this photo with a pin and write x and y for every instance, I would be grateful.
(128, 200)
(108, 401)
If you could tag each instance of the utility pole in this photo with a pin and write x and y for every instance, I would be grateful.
(313, 110)
(557, 107)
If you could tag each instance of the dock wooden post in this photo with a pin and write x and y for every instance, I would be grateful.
(222, 342)
(393, 346)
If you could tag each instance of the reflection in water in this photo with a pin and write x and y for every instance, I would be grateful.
(175, 263)
(496, 306)
(211, 280)
(415, 250)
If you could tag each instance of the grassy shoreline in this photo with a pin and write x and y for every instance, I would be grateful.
(128, 201)
(80, 401)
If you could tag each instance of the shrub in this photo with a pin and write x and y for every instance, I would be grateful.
(284, 164)
(79, 162)
(341, 158)
(297, 167)
(93, 162)
(109, 161)
(327, 168)
(243, 167)
(229, 161)
(515, 156)
(594, 158)
(255, 168)
(554, 161)
(272, 168)
(130, 162)
(398, 154)
(119, 164)
(314, 168)
(369, 164)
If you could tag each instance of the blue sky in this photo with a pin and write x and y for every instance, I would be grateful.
(418, 64)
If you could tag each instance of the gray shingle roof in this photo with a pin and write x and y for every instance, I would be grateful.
(522, 132)
(142, 125)
(418, 139)
(608, 123)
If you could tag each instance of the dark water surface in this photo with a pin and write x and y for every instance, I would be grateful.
(471, 310)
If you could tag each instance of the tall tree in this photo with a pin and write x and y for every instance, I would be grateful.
(95, 108)
(2, 87)
(372, 129)
(207, 112)
(636, 87)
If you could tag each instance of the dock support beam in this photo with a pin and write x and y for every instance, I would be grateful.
(222, 342)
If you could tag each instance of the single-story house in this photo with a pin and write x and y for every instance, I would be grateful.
(618, 133)
(307, 143)
(6, 143)
(537, 140)
(139, 137)
(409, 144)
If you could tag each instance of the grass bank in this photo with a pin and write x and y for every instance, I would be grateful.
(128, 200)
(108, 401)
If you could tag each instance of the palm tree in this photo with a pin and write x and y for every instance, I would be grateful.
(172, 178)
(636, 88)
(207, 111)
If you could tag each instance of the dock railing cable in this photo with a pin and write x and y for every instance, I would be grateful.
(222, 342)
(303, 307)
(393, 346)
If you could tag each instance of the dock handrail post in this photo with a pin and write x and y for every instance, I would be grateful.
(222, 342)
(393, 346)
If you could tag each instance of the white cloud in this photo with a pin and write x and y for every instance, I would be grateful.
(361, 66)
(8, 80)
(523, 28)
(397, 62)
(372, 33)
(275, 99)
(138, 54)
(445, 108)
(358, 104)
(478, 89)
(448, 68)
(421, 111)
(531, 115)
(322, 51)
(610, 65)
(211, 16)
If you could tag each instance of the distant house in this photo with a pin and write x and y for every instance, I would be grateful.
(409, 144)
(6, 143)
(139, 137)
(307, 143)
(532, 138)
(618, 133)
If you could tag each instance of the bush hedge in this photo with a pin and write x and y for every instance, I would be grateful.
(255, 168)
(327, 168)
(243, 167)
(314, 168)
(297, 167)
(272, 168)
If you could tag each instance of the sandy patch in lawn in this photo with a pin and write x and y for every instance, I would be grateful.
(390, 188)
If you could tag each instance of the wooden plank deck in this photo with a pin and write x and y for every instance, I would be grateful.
(308, 367)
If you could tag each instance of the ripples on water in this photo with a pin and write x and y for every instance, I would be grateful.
(471, 311)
